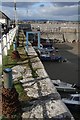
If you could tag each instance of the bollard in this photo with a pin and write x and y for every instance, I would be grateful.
(7, 75)
(14, 46)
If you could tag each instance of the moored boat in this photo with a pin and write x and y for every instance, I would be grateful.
(73, 101)
(64, 86)
(53, 59)
(50, 56)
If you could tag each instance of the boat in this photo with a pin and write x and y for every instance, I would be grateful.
(53, 59)
(49, 56)
(47, 48)
(64, 86)
(73, 101)
(77, 86)
(45, 45)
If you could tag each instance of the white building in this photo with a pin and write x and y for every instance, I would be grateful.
(4, 23)
(4, 19)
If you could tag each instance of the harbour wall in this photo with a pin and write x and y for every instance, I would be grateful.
(61, 32)
(47, 101)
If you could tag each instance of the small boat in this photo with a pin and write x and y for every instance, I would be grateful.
(72, 102)
(77, 86)
(48, 56)
(63, 86)
(47, 48)
(53, 59)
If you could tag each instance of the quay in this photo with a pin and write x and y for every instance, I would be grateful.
(40, 98)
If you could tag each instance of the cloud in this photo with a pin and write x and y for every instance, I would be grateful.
(18, 4)
(50, 10)
(40, 0)
(42, 10)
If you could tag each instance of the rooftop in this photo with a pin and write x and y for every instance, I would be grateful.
(3, 15)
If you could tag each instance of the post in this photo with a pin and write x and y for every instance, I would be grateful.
(0, 58)
(10, 37)
(7, 76)
(4, 45)
(15, 16)
(8, 42)
(27, 40)
(13, 34)
(0, 53)
(38, 40)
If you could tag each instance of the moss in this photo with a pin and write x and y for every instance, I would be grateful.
(34, 74)
(22, 94)
(20, 78)
(15, 117)
(4, 118)
(7, 60)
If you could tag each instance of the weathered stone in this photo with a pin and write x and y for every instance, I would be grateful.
(45, 109)
(18, 71)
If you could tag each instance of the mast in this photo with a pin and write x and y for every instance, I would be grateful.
(15, 22)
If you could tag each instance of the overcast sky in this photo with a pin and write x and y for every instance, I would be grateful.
(58, 10)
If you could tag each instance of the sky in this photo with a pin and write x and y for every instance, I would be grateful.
(59, 10)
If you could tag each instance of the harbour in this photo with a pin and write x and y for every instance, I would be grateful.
(39, 60)
(68, 71)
